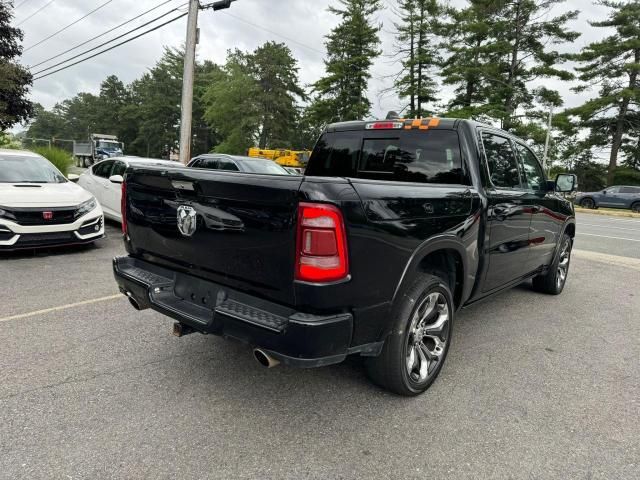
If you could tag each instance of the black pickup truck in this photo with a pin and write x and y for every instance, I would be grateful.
(395, 226)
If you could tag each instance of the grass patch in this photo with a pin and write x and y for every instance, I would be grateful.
(60, 158)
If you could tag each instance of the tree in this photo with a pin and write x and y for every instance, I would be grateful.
(253, 99)
(15, 80)
(417, 50)
(612, 64)
(351, 48)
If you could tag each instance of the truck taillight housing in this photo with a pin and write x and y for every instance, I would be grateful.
(123, 207)
(321, 246)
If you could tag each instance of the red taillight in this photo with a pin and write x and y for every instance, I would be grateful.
(383, 125)
(123, 207)
(321, 248)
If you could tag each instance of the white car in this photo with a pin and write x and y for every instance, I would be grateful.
(40, 207)
(104, 180)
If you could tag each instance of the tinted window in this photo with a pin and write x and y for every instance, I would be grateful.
(254, 165)
(417, 156)
(227, 165)
(613, 190)
(629, 189)
(19, 169)
(501, 161)
(533, 175)
(431, 156)
(211, 163)
(118, 168)
(195, 163)
(335, 155)
(103, 169)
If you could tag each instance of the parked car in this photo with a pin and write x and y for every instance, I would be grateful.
(40, 207)
(237, 163)
(396, 225)
(618, 196)
(104, 180)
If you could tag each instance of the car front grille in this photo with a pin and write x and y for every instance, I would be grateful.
(39, 239)
(36, 216)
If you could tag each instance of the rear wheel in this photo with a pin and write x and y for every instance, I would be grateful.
(635, 207)
(554, 280)
(415, 350)
(588, 203)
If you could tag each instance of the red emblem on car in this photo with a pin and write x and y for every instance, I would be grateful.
(47, 215)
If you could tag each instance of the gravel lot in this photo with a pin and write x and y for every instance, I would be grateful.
(535, 387)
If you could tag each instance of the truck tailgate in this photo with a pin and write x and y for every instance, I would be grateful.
(244, 226)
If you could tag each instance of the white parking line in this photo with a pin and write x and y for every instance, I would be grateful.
(61, 307)
(606, 236)
(608, 226)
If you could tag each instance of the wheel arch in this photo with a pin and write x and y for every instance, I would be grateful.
(443, 254)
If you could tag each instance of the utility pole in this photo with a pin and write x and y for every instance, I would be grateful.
(546, 141)
(187, 82)
(189, 72)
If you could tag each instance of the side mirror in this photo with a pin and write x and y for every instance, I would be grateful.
(72, 177)
(116, 179)
(566, 182)
(604, 192)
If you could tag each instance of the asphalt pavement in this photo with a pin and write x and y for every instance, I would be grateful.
(535, 387)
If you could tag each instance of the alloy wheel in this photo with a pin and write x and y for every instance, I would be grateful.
(587, 203)
(563, 264)
(428, 336)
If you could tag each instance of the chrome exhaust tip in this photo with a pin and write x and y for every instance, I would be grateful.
(264, 359)
(134, 303)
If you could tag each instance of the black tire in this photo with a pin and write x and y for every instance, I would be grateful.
(588, 203)
(391, 368)
(635, 208)
(553, 281)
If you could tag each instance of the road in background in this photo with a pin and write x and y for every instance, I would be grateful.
(535, 386)
(608, 234)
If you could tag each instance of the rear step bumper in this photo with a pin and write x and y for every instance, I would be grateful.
(295, 338)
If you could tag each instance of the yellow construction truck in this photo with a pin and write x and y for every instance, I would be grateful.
(286, 158)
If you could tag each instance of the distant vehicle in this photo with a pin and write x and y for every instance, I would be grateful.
(104, 180)
(395, 225)
(286, 158)
(98, 148)
(236, 163)
(618, 196)
(40, 207)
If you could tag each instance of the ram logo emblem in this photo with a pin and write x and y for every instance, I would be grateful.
(187, 220)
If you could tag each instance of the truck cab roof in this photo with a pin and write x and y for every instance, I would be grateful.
(404, 124)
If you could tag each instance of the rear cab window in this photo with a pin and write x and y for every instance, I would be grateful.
(431, 156)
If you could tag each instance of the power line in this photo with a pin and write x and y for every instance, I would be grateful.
(70, 25)
(20, 4)
(274, 33)
(36, 12)
(103, 34)
(111, 48)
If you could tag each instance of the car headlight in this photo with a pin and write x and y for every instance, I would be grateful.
(86, 207)
(6, 214)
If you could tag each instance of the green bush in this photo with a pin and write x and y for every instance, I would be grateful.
(61, 159)
(626, 176)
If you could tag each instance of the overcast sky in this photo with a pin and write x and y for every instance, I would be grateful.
(301, 24)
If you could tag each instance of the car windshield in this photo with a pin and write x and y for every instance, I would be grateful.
(263, 166)
(19, 169)
(108, 145)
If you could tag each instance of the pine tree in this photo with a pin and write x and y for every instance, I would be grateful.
(417, 50)
(351, 48)
(523, 33)
(15, 80)
(612, 64)
(469, 43)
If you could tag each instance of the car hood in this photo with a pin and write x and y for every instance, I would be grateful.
(42, 194)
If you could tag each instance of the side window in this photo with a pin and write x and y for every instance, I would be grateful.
(227, 165)
(612, 190)
(103, 169)
(501, 161)
(210, 163)
(195, 163)
(118, 168)
(629, 189)
(533, 174)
